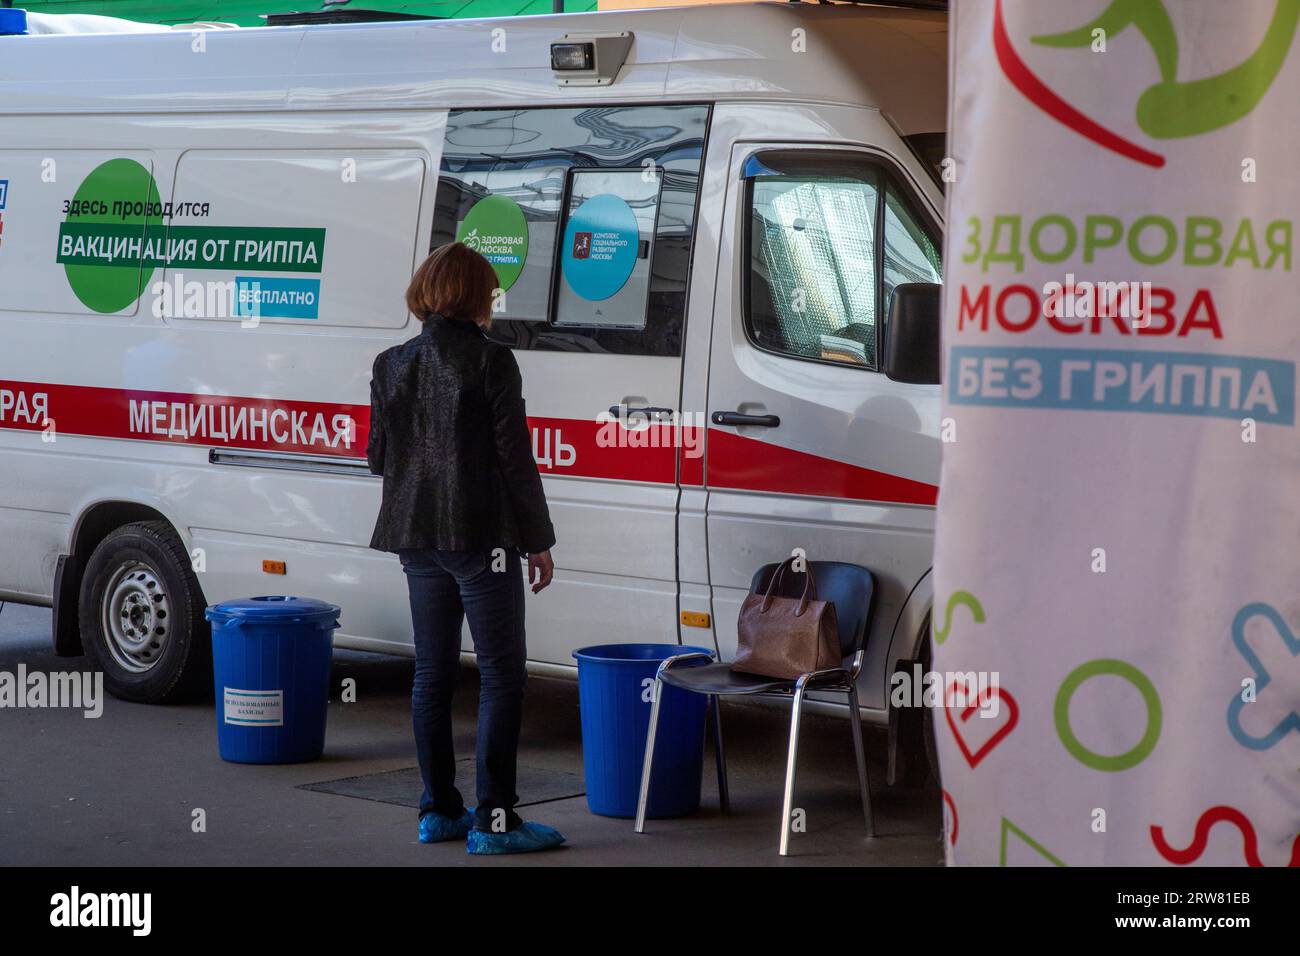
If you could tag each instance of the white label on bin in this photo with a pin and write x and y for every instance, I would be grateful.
(253, 708)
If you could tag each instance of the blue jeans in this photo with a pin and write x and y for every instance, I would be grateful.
(445, 586)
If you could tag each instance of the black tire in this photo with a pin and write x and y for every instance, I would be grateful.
(931, 751)
(159, 651)
(921, 764)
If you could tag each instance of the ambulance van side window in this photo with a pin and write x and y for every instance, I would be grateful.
(911, 253)
(607, 247)
(821, 267)
(587, 214)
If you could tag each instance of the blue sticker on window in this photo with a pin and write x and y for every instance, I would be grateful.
(600, 247)
(4, 192)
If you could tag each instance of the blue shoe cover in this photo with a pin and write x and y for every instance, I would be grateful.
(526, 838)
(435, 828)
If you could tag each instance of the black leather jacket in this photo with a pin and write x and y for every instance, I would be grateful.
(449, 434)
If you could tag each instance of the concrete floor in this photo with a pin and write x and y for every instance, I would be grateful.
(121, 790)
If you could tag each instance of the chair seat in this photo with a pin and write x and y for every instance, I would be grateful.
(721, 679)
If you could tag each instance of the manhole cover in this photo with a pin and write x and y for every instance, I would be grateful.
(403, 787)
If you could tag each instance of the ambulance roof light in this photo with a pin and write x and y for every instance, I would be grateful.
(13, 21)
(589, 59)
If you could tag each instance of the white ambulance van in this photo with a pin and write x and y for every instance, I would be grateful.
(698, 216)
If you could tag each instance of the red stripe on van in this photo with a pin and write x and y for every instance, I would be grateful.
(690, 463)
(752, 465)
(563, 446)
(220, 421)
(597, 449)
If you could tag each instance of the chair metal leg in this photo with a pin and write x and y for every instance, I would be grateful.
(791, 760)
(719, 754)
(864, 783)
(648, 763)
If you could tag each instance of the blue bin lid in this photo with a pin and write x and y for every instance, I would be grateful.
(13, 22)
(275, 609)
(639, 653)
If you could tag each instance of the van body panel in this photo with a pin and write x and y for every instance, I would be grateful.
(893, 60)
(266, 126)
(912, 630)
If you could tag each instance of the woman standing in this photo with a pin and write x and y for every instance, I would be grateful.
(462, 500)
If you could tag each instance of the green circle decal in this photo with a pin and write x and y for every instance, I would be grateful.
(113, 287)
(1089, 758)
(495, 228)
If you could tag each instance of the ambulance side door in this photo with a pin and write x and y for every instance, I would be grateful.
(809, 445)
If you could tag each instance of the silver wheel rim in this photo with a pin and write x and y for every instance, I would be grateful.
(137, 616)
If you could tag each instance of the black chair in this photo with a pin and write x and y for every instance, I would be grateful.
(850, 588)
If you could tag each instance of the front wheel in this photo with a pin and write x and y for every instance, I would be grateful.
(916, 737)
(141, 615)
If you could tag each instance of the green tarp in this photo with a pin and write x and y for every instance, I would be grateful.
(249, 13)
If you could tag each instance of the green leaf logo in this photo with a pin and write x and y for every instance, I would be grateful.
(1172, 109)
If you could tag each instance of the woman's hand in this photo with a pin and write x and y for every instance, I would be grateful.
(540, 570)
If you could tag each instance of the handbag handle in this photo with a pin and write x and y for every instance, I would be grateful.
(810, 583)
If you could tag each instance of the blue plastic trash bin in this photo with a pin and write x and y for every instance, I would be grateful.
(614, 688)
(271, 671)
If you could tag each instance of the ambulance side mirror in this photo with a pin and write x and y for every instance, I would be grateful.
(912, 335)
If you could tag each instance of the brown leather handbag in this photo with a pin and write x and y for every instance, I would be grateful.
(787, 637)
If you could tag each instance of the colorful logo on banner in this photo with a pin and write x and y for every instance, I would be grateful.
(1006, 703)
(1141, 749)
(1099, 667)
(601, 245)
(1041, 852)
(955, 600)
(496, 229)
(1172, 108)
(1089, 758)
(1221, 814)
(1261, 676)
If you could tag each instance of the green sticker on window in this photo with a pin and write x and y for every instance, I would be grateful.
(495, 228)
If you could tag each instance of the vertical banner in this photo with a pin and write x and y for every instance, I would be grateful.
(1117, 583)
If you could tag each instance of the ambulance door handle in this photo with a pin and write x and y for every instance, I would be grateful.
(739, 418)
(640, 411)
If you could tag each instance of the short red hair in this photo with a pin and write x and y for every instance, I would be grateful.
(454, 282)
